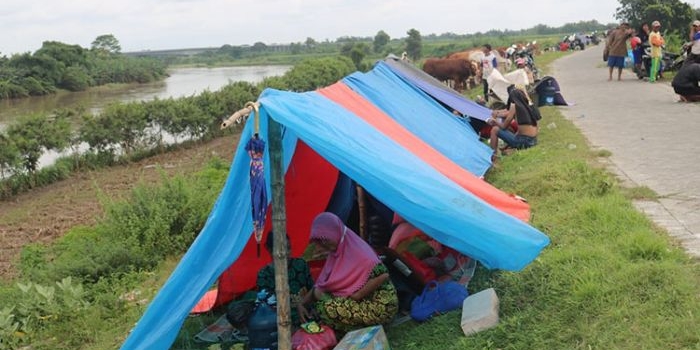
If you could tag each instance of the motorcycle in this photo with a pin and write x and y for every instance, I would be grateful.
(524, 59)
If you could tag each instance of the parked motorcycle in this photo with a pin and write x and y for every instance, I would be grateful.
(524, 58)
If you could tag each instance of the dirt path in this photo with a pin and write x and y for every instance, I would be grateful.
(46, 213)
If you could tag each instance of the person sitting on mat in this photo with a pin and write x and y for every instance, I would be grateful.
(353, 289)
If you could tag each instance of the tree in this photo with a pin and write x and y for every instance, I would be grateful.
(9, 156)
(295, 48)
(380, 40)
(259, 47)
(75, 79)
(414, 45)
(356, 52)
(310, 43)
(234, 51)
(35, 134)
(106, 44)
(674, 15)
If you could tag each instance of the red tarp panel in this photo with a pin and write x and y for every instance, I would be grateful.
(346, 97)
(309, 183)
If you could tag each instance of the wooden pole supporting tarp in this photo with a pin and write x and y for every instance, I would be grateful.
(362, 207)
(279, 227)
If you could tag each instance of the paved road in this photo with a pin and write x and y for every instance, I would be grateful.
(654, 140)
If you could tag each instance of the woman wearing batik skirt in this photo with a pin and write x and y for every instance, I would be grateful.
(353, 289)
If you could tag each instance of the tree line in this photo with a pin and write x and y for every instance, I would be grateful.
(674, 15)
(357, 48)
(58, 65)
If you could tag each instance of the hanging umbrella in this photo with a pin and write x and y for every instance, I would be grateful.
(258, 192)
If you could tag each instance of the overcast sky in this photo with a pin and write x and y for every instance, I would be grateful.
(169, 24)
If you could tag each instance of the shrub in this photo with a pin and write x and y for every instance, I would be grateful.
(75, 79)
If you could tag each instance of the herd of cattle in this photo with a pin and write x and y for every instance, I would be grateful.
(463, 69)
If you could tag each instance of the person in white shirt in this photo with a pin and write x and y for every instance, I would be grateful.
(488, 64)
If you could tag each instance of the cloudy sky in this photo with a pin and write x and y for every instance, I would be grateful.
(169, 24)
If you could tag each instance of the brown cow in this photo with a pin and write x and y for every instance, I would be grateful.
(474, 56)
(444, 69)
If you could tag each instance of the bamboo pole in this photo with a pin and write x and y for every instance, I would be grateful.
(239, 115)
(279, 227)
(362, 207)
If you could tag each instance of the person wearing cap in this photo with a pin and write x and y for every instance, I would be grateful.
(616, 49)
(694, 54)
(657, 42)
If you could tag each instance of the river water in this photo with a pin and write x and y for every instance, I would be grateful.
(181, 82)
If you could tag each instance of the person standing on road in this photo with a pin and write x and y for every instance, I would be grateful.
(657, 42)
(616, 49)
(637, 50)
(694, 54)
(643, 34)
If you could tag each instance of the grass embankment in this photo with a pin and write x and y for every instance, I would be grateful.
(609, 280)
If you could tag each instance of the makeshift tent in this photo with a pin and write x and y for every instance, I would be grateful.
(325, 132)
(430, 121)
(436, 88)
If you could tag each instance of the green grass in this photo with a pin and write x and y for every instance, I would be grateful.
(608, 280)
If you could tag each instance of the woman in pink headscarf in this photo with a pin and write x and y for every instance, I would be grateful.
(353, 289)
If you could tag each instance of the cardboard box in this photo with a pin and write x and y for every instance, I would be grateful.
(370, 338)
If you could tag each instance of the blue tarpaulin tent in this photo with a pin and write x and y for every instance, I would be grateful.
(437, 89)
(394, 174)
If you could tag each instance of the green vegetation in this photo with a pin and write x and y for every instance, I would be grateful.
(369, 49)
(131, 131)
(675, 16)
(608, 280)
(61, 66)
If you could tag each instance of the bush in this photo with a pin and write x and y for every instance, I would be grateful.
(75, 79)
(312, 74)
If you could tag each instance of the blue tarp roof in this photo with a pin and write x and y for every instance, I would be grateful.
(428, 120)
(437, 89)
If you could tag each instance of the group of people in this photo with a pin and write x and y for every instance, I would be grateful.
(686, 81)
(519, 108)
(616, 49)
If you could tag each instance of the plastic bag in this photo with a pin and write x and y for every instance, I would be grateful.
(438, 298)
(325, 340)
(239, 311)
